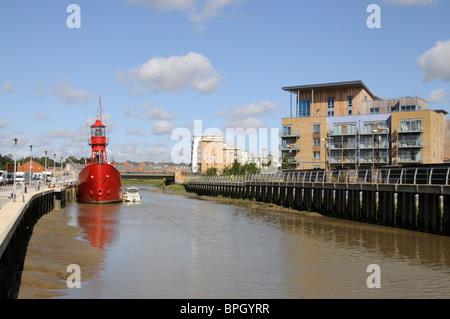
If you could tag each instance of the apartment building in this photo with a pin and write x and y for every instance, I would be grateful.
(344, 124)
(209, 151)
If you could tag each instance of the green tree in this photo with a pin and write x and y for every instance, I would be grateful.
(236, 168)
(212, 171)
(285, 161)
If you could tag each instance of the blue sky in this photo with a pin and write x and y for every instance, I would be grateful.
(161, 65)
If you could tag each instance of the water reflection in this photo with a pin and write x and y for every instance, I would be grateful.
(99, 223)
(176, 247)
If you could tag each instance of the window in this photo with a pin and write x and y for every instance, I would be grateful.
(331, 106)
(316, 128)
(411, 125)
(337, 129)
(316, 142)
(350, 105)
(304, 108)
(351, 128)
(316, 155)
(406, 108)
(368, 128)
(287, 130)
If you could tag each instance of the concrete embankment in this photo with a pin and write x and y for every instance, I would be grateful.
(17, 220)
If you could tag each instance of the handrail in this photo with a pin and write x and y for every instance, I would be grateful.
(404, 175)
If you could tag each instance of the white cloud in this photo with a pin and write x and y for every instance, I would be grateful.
(210, 10)
(437, 96)
(135, 132)
(150, 113)
(8, 87)
(411, 2)
(162, 128)
(172, 74)
(158, 113)
(248, 116)
(199, 11)
(165, 5)
(435, 62)
(41, 116)
(67, 95)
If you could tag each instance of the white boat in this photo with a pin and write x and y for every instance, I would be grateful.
(132, 195)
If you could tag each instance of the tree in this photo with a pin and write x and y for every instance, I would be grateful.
(285, 161)
(236, 168)
(212, 171)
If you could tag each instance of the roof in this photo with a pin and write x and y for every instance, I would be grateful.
(441, 111)
(329, 86)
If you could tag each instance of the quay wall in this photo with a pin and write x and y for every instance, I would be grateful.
(423, 208)
(17, 220)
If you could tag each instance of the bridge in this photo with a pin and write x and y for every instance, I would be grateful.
(407, 198)
(170, 178)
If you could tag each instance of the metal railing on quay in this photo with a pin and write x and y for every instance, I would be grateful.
(404, 175)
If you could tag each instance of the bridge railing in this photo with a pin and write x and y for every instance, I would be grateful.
(412, 175)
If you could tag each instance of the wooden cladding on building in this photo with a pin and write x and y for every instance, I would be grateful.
(320, 103)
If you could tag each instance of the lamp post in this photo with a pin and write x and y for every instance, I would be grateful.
(15, 139)
(327, 152)
(62, 174)
(45, 169)
(31, 157)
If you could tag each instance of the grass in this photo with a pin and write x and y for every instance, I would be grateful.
(174, 188)
(142, 182)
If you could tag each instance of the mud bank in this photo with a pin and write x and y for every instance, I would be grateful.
(54, 245)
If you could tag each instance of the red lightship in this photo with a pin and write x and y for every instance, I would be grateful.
(99, 182)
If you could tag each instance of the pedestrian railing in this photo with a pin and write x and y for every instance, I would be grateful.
(410, 175)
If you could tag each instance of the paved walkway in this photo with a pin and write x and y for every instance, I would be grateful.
(5, 194)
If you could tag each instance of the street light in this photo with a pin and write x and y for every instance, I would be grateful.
(31, 156)
(15, 139)
(327, 151)
(45, 169)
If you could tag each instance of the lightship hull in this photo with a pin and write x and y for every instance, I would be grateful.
(99, 184)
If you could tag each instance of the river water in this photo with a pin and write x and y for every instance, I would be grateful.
(173, 246)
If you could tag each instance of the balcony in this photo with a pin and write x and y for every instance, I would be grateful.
(339, 146)
(343, 132)
(410, 144)
(289, 133)
(289, 147)
(374, 145)
(410, 129)
(340, 160)
(410, 159)
(374, 159)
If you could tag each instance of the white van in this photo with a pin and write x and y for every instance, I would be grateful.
(20, 177)
(3, 177)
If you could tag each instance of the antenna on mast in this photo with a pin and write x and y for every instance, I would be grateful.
(100, 101)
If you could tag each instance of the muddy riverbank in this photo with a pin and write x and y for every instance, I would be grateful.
(53, 246)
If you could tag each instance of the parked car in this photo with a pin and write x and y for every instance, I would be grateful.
(3, 177)
(20, 177)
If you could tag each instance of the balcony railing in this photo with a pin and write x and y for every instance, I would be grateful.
(410, 129)
(374, 146)
(409, 144)
(410, 159)
(290, 147)
(289, 133)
